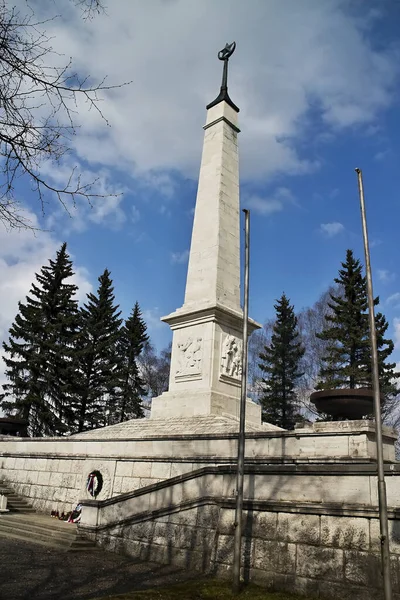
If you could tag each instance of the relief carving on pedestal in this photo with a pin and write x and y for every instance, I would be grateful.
(189, 356)
(231, 357)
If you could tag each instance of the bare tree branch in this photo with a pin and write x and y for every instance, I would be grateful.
(38, 103)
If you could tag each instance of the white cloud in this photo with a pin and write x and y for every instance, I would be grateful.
(394, 299)
(104, 208)
(152, 318)
(267, 206)
(385, 276)
(135, 214)
(331, 229)
(380, 156)
(396, 340)
(180, 258)
(168, 50)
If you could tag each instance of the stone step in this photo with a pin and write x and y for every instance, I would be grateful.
(23, 523)
(39, 520)
(15, 503)
(38, 529)
(32, 529)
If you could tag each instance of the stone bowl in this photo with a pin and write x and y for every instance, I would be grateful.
(344, 403)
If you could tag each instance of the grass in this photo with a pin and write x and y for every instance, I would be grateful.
(205, 589)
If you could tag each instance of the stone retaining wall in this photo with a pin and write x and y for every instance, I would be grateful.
(51, 473)
(307, 545)
(60, 483)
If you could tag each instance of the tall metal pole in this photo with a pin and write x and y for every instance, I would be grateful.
(383, 517)
(241, 438)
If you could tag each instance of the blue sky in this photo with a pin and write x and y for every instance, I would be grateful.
(318, 86)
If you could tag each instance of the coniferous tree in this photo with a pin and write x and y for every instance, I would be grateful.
(39, 353)
(347, 362)
(281, 368)
(97, 357)
(132, 339)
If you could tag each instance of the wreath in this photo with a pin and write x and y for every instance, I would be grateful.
(94, 483)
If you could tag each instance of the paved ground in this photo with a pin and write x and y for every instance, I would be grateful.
(32, 572)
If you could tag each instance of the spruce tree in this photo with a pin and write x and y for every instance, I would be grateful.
(39, 353)
(132, 339)
(97, 357)
(347, 362)
(281, 360)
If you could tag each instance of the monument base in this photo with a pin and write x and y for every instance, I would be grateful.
(202, 403)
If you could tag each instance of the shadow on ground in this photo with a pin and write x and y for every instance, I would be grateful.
(29, 571)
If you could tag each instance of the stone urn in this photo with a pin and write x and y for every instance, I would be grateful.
(345, 403)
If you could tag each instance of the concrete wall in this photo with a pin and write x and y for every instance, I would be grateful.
(305, 546)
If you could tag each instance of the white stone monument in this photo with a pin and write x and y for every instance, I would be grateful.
(207, 342)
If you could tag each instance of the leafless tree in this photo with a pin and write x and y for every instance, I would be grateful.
(311, 321)
(38, 102)
(154, 369)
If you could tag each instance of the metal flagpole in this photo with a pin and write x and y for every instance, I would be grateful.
(241, 438)
(383, 517)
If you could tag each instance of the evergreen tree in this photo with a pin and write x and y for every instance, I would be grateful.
(97, 357)
(281, 368)
(132, 339)
(39, 352)
(347, 362)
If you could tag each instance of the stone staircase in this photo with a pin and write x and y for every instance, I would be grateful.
(14, 502)
(23, 523)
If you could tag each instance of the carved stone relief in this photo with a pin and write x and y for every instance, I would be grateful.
(189, 356)
(231, 357)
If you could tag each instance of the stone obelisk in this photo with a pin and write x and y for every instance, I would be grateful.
(207, 331)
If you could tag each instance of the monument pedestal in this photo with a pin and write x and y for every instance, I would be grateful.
(206, 365)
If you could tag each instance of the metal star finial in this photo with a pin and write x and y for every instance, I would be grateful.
(223, 95)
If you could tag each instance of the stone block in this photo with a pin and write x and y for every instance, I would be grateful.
(394, 536)
(52, 465)
(362, 568)
(41, 464)
(160, 470)
(124, 469)
(117, 486)
(31, 476)
(266, 579)
(226, 523)
(141, 469)
(300, 528)
(265, 525)
(55, 480)
(224, 550)
(139, 531)
(345, 532)
(19, 463)
(9, 463)
(145, 481)
(320, 563)
(129, 484)
(76, 466)
(68, 480)
(184, 517)
(208, 516)
(279, 557)
(72, 496)
(64, 466)
(180, 468)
